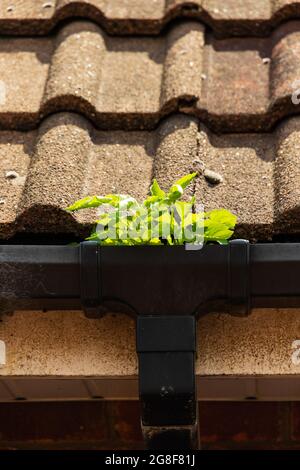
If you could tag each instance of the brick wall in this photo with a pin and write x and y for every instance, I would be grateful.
(115, 425)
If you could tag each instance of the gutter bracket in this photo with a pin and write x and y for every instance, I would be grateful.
(90, 285)
(166, 347)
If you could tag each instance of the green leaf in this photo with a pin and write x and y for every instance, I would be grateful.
(217, 232)
(127, 202)
(185, 180)
(93, 237)
(89, 202)
(104, 219)
(177, 189)
(151, 200)
(175, 193)
(155, 190)
(223, 216)
(160, 219)
(155, 241)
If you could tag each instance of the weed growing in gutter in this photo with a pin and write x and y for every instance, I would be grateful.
(161, 219)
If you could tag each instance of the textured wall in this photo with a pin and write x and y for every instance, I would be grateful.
(68, 344)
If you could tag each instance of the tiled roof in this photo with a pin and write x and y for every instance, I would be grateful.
(66, 158)
(87, 112)
(238, 85)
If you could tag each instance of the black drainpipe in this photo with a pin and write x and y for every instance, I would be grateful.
(165, 288)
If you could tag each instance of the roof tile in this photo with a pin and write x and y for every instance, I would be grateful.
(230, 17)
(117, 83)
(240, 85)
(287, 174)
(71, 159)
(246, 164)
(16, 149)
(67, 159)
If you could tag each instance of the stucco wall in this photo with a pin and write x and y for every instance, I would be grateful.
(68, 344)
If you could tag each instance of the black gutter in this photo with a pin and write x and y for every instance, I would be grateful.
(165, 288)
(150, 280)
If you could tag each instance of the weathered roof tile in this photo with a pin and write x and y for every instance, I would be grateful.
(246, 164)
(16, 149)
(230, 17)
(67, 159)
(287, 174)
(240, 85)
(117, 83)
